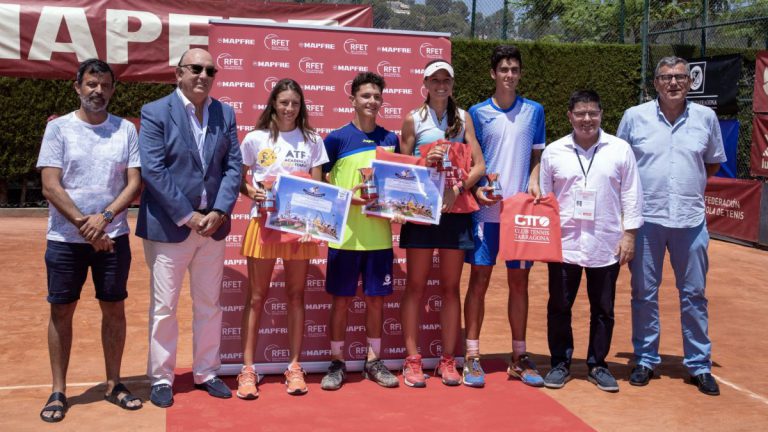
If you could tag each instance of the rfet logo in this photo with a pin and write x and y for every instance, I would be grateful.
(348, 88)
(387, 69)
(436, 348)
(270, 82)
(231, 286)
(532, 221)
(424, 92)
(310, 66)
(274, 43)
(237, 106)
(313, 109)
(274, 307)
(226, 61)
(276, 353)
(357, 305)
(387, 111)
(228, 332)
(352, 46)
(313, 329)
(393, 327)
(434, 303)
(427, 50)
(357, 350)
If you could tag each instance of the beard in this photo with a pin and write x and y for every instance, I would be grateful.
(94, 104)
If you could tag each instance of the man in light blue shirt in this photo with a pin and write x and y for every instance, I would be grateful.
(677, 145)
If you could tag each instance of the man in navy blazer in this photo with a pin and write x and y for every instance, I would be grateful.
(190, 163)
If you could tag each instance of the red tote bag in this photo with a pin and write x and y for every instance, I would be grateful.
(529, 231)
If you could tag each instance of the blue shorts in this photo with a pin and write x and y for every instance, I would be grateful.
(346, 266)
(67, 266)
(486, 237)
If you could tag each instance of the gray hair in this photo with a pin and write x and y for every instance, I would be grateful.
(672, 61)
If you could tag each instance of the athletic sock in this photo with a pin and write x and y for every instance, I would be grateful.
(473, 347)
(337, 349)
(374, 348)
(518, 348)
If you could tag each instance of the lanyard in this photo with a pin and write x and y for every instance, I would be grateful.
(589, 168)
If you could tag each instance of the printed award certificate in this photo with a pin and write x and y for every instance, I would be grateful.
(308, 206)
(413, 191)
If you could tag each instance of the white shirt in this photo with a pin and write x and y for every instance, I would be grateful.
(289, 154)
(614, 178)
(93, 161)
(198, 132)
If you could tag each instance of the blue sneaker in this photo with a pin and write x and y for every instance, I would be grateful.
(525, 370)
(473, 374)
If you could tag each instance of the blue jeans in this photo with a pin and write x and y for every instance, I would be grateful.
(688, 256)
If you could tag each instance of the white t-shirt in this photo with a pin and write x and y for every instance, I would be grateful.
(290, 153)
(93, 160)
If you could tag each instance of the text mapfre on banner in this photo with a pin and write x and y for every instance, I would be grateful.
(140, 39)
(252, 58)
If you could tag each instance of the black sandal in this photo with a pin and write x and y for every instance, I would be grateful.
(113, 397)
(55, 397)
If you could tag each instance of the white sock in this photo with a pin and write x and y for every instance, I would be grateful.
(337, 349)
(473, 347)
(374, 348)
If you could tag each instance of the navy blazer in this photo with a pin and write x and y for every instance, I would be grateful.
(174, 175)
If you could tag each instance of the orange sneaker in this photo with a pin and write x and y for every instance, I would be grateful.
(294, 381)
(247, 383)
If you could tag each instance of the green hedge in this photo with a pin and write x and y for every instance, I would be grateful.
(551, 71)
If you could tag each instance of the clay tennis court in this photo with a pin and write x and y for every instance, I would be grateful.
(736, 290)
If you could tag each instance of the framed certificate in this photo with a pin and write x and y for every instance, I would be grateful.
(413, 191)
(309, 206)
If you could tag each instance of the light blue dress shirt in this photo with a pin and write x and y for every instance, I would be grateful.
(671, 160)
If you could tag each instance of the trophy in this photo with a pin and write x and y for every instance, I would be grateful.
(268, 204)
(493, 183)
(445, 164)
(368, 191)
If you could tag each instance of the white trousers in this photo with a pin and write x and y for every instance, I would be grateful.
(168, 262)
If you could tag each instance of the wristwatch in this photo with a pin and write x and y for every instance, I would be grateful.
(108, 216)
(460, 185)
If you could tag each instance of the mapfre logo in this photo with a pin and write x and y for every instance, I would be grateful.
(427, 50)
(236, 84)
(434, 303)
(436, 348)
(532, 221)
(276, 353)
(314, 330)
(273, 42)
(394, 50)
(390, 112)
(357, 350)
(237, 106)
(387, 69)
(275, 307)
(393, 327)
(314, 110)
(352, 46)
(270, 83)
(310, 66)
(226, 61)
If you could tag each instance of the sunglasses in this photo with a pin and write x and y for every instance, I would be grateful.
(198, 69)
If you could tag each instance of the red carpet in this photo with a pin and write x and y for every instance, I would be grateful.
(362, 405)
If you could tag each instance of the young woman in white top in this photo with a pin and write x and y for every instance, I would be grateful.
(283, 143)
(438, 118)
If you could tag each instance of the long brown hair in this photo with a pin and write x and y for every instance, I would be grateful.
(455, 124)
(268, 118)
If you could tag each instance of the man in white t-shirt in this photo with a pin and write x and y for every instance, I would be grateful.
(89, 163)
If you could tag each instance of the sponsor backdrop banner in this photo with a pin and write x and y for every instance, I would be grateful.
(141, 39)
(324, 60)
(730, 131)
(759, 153)
(715, 82)
(760, 94)
(733, 207)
